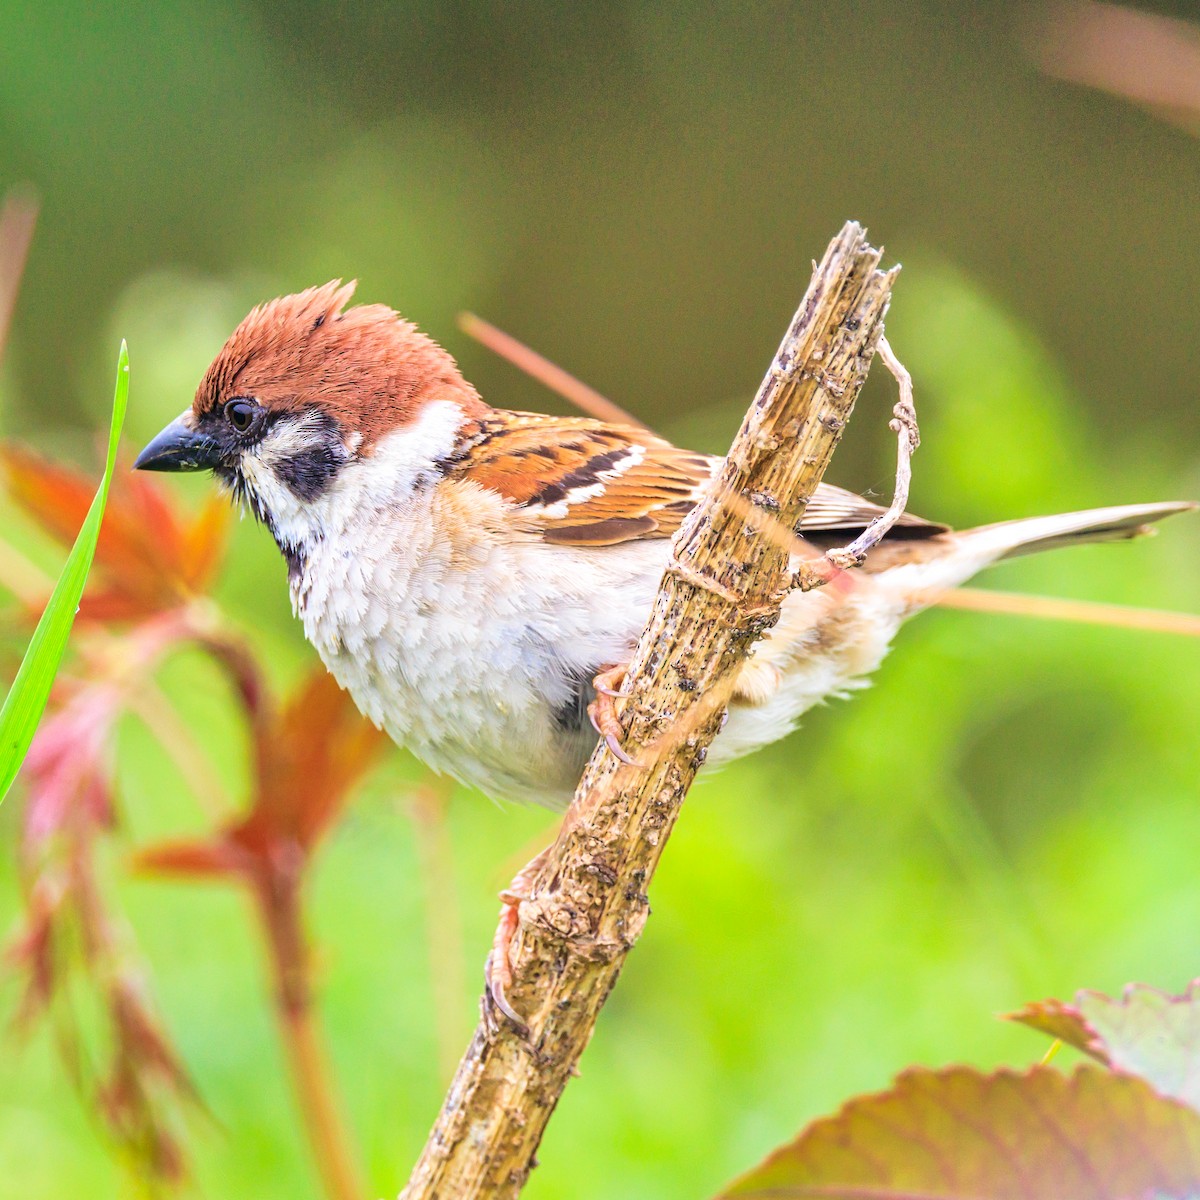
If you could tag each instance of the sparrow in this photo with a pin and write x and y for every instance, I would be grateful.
(467, 573)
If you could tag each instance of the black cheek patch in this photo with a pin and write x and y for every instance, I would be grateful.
(307, 473)
(310, 472)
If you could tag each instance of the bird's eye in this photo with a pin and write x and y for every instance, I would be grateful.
(240, 414)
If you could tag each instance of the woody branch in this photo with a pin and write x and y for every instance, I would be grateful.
(720, 593)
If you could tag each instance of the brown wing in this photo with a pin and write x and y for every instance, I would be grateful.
(587, 483)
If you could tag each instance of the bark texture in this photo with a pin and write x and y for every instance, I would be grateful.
(719, 595)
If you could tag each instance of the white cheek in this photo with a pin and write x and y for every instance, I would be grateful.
(289, 437)
(273, 497)
(398, 465)
(404, 458)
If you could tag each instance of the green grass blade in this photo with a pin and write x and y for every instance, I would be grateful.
(27, 698)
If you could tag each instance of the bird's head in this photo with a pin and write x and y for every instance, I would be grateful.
(303, 389)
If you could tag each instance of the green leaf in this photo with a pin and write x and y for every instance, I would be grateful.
(1146, 1033)
(960, 1134)
(26, 701)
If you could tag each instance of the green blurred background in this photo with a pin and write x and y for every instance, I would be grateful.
(637, 190)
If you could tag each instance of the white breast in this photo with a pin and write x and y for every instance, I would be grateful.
(460, 641)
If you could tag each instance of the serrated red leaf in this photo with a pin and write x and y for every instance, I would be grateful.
(1146, 1032)
(961, 1134)
(143, 505)
(1151, 1034)
(1062, 1021)
(311, 755)
(58, 499)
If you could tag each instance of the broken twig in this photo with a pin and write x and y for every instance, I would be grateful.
(587, 903)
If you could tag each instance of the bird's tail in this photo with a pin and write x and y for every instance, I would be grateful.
(828, 641)
(1007, 539)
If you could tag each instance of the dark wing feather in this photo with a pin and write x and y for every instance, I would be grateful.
(835, 509)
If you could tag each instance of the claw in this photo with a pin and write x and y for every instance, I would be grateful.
(496, 997)
(610, 740)
(497, 972)
(610, 681)
(487, 1005)
(602, 712)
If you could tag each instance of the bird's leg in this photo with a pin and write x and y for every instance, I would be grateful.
(497, 972)
(602, 712)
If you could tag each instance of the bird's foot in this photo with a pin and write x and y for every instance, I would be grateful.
(602, 712)
(498, 971)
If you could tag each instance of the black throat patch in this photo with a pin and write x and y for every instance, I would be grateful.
(296, 558)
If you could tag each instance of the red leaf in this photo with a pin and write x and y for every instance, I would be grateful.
(960, 1134)
(58, 498)
(146, 517)
(66, 772)
(1062, 1021)
(148, 559)
(311, 756)
(1146, 1033)
(32, 950)
(204, 542)
(55, 497)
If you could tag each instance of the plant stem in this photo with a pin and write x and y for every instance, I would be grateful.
(427, 808)
(1055, 608)
(278, 899)
(152, 705)
(18, 216)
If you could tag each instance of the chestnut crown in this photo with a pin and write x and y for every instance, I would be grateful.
(365, 367)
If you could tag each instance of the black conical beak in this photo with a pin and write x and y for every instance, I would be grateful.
(179, 448)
